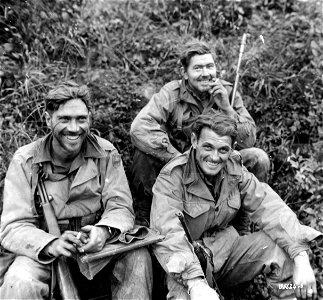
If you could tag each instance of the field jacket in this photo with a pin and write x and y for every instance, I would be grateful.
(81, 193)
(162, 127)
(180, 188)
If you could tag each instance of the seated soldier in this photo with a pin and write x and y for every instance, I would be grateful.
(209, 185)
(161, 130)
(85, 177)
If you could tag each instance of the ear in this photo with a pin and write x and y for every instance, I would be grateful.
(47, 119)
(90, 118)
(194, 140)
(183, 73)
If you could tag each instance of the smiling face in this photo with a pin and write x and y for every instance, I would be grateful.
(70, 124)
(212, 151)
(200, 71)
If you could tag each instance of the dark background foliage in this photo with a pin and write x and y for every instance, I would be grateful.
(126, 50)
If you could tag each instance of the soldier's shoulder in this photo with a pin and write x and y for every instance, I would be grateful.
(103, 143)
(28, 151)
(177, 163)
(173, 85)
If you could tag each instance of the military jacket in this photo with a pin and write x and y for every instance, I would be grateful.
(89, 187)
(162, 127)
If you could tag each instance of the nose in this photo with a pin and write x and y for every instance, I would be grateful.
(215, 155)
(205, 72)
(73, 126)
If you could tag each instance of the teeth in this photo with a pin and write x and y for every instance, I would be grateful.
(72, 137)
(212, 164)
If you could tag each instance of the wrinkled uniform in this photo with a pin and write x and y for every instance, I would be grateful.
(162, 129)
(208, 212)
(81, 194)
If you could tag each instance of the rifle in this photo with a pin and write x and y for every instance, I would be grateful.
(64, 278)
(200, 252)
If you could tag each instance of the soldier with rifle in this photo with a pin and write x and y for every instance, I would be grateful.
(197, 195)
(65, 194)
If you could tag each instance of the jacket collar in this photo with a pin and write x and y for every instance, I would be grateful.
(193, 178)
(90, 149)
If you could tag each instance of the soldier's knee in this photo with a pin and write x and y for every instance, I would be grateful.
(23, 283)
(137, 259)
(257, 162)
(262, 158)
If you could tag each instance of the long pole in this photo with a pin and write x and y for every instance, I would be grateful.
(243, 43)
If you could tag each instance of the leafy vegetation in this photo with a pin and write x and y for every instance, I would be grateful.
(126, 50)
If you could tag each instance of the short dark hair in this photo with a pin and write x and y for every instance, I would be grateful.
(67, 91)
(192, 48)
(219, 122)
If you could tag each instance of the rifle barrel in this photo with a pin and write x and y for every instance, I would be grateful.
(187, 231)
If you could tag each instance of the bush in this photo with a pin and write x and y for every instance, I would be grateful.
(126, 50)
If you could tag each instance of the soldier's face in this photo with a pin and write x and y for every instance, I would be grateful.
(70, 125)
(212, 151)
(200, 71)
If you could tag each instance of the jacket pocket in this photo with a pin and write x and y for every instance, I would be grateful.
(196, 215)
(195, 209)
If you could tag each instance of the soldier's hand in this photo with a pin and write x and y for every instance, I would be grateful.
(65, 245)
(199, 289)
(304, 278)
(221, 97)
(97, 238)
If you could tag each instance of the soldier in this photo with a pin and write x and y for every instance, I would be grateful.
(209, 184)
(84, 175)
(161, 130)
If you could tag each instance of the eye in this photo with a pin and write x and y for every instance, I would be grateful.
(197, 68)
(82, 119)
(64, 119)
(211, 66)
(207, 148)
(224, 150)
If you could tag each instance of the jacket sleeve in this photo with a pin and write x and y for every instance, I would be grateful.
(19, 224)
(274, 217)
(147, 130)
(116, 194)
(175, 253)
(246, 125)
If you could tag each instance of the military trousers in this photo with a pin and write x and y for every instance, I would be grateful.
(248, 257)
(130, 278)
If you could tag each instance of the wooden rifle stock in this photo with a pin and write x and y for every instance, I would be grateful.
(65, 281)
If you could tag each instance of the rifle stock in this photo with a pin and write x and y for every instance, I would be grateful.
(65, 281)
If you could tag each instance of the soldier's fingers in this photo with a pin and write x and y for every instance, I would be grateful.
(63, 250)
(298, 293)
(83, 237)
(303, 293)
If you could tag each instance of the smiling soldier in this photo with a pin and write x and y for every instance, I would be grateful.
(209, 185)
(161, 130)
(90, 196)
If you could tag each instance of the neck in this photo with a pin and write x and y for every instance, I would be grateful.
(60, 158)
